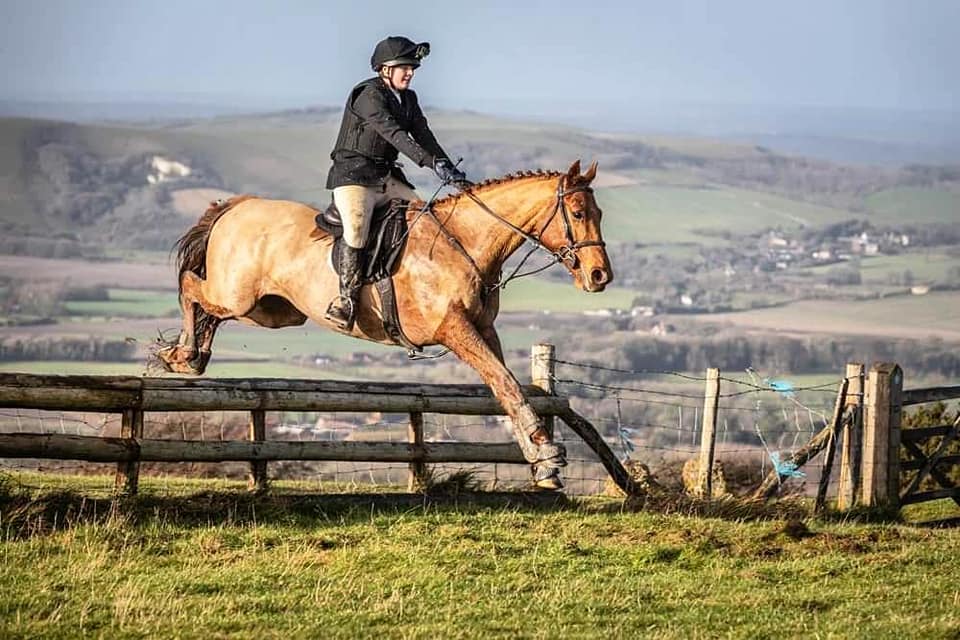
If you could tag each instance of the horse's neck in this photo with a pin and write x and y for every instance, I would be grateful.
(523, 203)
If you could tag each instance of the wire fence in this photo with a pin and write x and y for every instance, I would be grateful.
(649, 416)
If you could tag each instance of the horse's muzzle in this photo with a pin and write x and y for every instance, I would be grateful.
(595, 279)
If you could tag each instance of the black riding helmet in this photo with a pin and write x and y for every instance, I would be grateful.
(397, 50)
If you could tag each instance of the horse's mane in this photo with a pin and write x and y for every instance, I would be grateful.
(492, 182)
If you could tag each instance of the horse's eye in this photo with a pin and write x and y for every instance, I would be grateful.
(578, 214)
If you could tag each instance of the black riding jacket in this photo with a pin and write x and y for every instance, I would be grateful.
(375, 128)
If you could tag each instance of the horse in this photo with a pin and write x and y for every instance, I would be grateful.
(265, 263)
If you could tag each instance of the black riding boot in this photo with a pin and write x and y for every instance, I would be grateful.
(343, 310)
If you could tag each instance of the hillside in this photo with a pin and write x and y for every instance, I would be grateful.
(695, 227)
(69, 187)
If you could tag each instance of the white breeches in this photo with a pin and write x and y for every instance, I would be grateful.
(356, 204)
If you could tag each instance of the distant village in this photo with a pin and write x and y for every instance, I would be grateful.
(771, 268)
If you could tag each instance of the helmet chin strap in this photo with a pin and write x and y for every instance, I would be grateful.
(388, 77)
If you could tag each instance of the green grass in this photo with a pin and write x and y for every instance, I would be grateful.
(531, 294)
(127, 303)
(918, 206)
(201, 559)
(906, 316)
(655, 214)
(926, 267)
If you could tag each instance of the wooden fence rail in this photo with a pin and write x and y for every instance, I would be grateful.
(100, 449)
(119, 393)
(132, 397)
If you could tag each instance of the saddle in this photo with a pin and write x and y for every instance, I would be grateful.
(385, 243)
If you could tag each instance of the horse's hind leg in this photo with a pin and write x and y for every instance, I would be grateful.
(207, 332)
(482, 352)
(197, 310)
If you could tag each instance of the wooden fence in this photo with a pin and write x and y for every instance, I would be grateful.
(866, 425)
(132, 397)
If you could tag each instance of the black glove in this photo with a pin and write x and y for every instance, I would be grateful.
(448, 173)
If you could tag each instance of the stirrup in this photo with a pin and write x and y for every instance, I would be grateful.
(343, 315)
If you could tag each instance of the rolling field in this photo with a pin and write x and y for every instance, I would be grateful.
(670, 215)
(128, 303)
(926, 268)
(202, 559)
(531, 294)
(932, 315)
(919, 206)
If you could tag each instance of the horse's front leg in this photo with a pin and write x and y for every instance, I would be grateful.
(493, 341)
(459, 335)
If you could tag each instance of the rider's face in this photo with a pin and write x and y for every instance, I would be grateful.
(400, 76)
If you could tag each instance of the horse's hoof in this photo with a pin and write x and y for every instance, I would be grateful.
(183, 367)
(551, 483)
(176, 359)
(547, 478)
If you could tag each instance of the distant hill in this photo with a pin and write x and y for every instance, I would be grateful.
(66, 186)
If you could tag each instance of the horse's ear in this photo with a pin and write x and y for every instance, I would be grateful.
(573, 172)
(591, 172)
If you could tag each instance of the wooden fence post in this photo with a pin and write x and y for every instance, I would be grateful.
(852, 448)
(836, 427)
(257, 481)
(417, 480)
(881, 436)
(542, 370)
(128, 473)
(708, 433)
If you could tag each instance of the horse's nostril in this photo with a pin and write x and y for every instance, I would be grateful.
(599, 276)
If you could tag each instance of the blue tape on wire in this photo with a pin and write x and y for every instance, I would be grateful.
(784, 468)
(783, 387)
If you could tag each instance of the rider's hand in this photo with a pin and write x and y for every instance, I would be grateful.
(448, 173)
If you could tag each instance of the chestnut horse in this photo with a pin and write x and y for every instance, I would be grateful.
(264, 262)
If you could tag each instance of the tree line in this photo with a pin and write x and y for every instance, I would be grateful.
(69, 349)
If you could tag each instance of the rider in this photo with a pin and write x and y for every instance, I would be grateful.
(382, 118)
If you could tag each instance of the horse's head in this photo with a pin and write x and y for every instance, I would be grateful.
(573, 232)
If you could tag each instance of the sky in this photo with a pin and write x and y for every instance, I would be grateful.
(536, 58)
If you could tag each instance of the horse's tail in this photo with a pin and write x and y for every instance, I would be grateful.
(191, 248)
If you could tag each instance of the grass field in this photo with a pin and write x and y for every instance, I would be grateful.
(932, 315)
(531, 294)
(660, 214)
(128, 303)
(919, 206)
(202, 559)
(926, 268)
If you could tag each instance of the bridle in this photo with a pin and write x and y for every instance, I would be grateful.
(567, 253)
